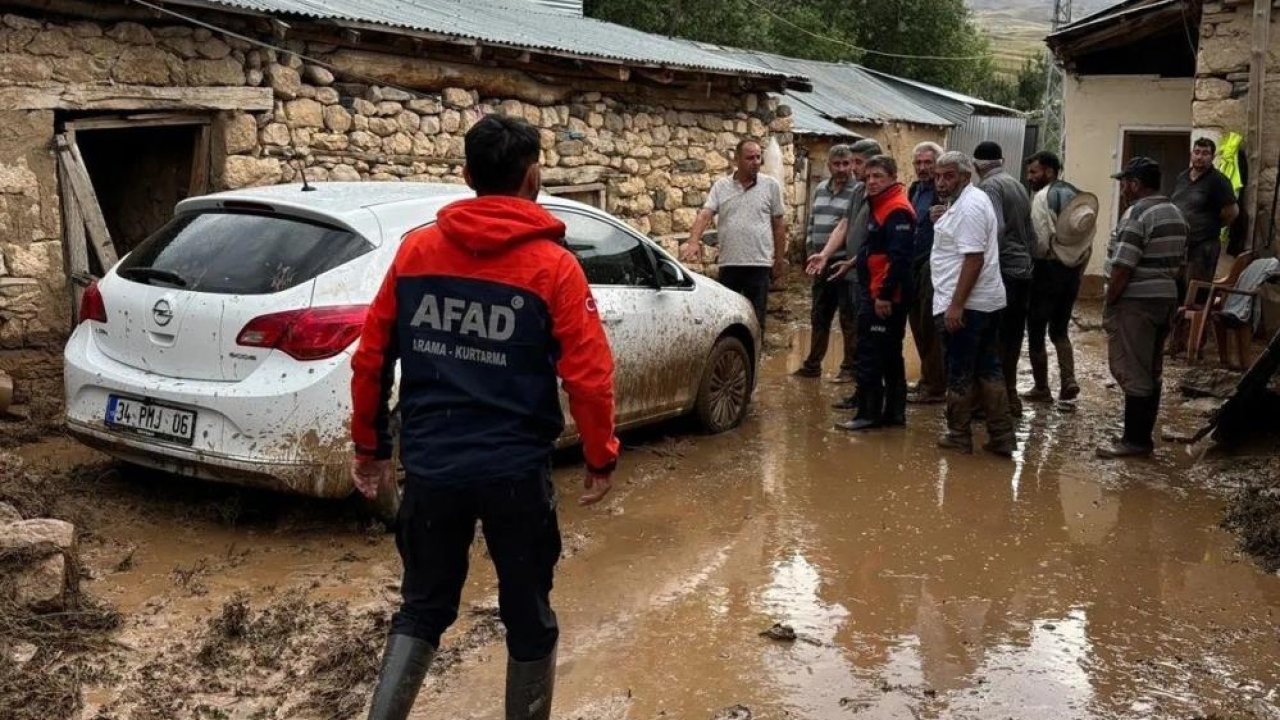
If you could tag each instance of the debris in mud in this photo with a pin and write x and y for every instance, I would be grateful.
(734, 712)
(486, 628)
(1213, 382)
(780, 632)
(1254, 515)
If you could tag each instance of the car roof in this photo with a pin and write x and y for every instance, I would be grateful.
(335, 199)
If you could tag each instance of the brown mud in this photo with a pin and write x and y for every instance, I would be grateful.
(903, 581)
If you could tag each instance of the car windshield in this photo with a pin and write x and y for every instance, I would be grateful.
(240, 253)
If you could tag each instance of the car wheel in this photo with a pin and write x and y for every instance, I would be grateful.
(386, 506)
(725, 391)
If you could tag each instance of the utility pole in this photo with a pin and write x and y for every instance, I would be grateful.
(1054, 123)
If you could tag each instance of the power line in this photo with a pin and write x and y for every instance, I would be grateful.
(867, 51)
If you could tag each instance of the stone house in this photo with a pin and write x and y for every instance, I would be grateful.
(1147, 77)
(112, 111)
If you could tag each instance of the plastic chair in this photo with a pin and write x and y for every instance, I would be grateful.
(1195, 314)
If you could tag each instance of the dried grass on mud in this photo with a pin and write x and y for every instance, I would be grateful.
(1254, 510)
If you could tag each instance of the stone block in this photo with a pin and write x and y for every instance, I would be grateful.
(660, 223)
(213, 48)
(570, 148)
(458, 98)
(240, 134)
(396, 95)
(55, 42)
(337, 119)
(1224, 114)
(365, 140)
(318, 76)
(305, 113)
(182, 46)
(284, 80)
(20, 68)
(383, 127)
(131, 33)
(451, 121)
(253, 78)
(424, 106)
(275, 134)
(682, 220)
(225, 72)
(45, 586)
(1212, 89)
(25, 534)
(430, 125)
(333, 142)
(1223, 55)
(344, 173)
(86, 29)
(389, 108)
(141, 66)
(409, 122)
(9, 514)
(327, 96)
(364, 107)
(241, 171)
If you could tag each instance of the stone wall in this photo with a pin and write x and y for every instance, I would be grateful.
(1222, 86)
(657, 157)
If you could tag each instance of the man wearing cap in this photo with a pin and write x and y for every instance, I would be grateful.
(1145, 258)
(1063, 220)
(831, 201)
(848, 236)
(1013, 213)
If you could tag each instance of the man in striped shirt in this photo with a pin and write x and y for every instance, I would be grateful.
(1146, 256)
(831, 202)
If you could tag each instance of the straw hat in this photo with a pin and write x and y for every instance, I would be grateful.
(1074, 232)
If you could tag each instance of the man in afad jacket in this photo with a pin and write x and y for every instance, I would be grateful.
(482, 310)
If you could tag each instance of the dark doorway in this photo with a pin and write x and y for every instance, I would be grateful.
(140, 172)
(1170, 148)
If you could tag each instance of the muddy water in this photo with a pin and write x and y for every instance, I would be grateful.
(919, 583)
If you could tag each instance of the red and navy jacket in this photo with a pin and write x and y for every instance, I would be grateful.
(483, 310)
(884, 260)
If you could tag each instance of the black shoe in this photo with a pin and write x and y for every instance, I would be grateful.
(895, 405)
(807, 372)
(404, 665)
(848, 403)
(870, 411)
(529, 688)
(858, 424)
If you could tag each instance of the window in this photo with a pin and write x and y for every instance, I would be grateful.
(241, 253)
(609, 254)
(590, 194)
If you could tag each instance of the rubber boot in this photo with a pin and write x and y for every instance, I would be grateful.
(959, 434)
(995, 399)
(404, 665)
(895, 404)
(1013, 402)
(529, 688)
(848, 403)
(1040, 373)
(1139, 422)
(870, 413)
(1067, 369)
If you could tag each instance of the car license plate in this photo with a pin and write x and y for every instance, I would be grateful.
(155, 420)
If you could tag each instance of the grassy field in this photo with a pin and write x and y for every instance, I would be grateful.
(1016, 35)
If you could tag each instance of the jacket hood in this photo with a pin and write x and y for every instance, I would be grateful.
(495, 223)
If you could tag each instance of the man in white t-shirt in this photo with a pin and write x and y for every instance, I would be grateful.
(968, 295)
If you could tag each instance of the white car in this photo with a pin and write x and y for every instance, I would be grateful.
(220, 347)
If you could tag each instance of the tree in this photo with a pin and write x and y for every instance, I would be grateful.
(831, 30)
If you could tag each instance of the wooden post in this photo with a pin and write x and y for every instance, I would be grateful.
(82, 186)
(1257, 88)
(74, 242)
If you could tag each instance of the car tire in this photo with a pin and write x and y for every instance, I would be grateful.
(725, 391)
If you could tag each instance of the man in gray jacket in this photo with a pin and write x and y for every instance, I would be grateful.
(1013, 212)
(847, 239)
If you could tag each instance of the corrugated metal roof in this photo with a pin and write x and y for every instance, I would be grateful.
(807, 121)
(573, 7)
(947, 103)
(510, 23)
(841, 91)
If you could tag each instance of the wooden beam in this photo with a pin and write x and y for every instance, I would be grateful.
(90, 211)
(661, 77)
(136, 121)
(621, 73)
(200, 162)
(1254, 124)
(74, 243)
(421, 74)
(108, 98)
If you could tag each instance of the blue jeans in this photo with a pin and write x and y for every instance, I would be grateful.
(973, 351)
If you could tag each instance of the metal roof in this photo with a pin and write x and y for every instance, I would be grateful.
(807, 121)
(841, 91)
(509, 23)
(954, 106)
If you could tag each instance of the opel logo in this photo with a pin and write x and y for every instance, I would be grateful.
(162, 313)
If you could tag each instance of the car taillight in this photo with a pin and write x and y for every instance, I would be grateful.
(310, 334)
(91, 305)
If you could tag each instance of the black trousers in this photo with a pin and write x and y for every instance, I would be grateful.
(1013, 329)
(829, 298)
(1053, 298)
(880, 363)
(436, 528)
(751, 283)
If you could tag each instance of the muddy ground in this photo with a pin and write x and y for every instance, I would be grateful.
(912, 583)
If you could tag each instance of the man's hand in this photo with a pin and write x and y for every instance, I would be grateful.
(954, 318)
(370, 474)
(883, 308)
(779, 269)
(597, 486)
(691, 252)
(839, 270)
(816, 263)
(936, 211)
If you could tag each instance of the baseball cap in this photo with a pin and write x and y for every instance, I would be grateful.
(1139, 168)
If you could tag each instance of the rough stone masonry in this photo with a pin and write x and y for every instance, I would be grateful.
(656, 161)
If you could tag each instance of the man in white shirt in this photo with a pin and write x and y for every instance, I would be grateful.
(968, 297)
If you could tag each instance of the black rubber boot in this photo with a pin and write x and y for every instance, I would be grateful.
(404, 665)
(895, 405)
(1070, 389)
(529, 688)
(1139, 422)
(1040, 373)
(870, 413)
(959, 434)
(994, 396)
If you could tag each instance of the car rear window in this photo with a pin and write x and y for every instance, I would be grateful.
(240, 253)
